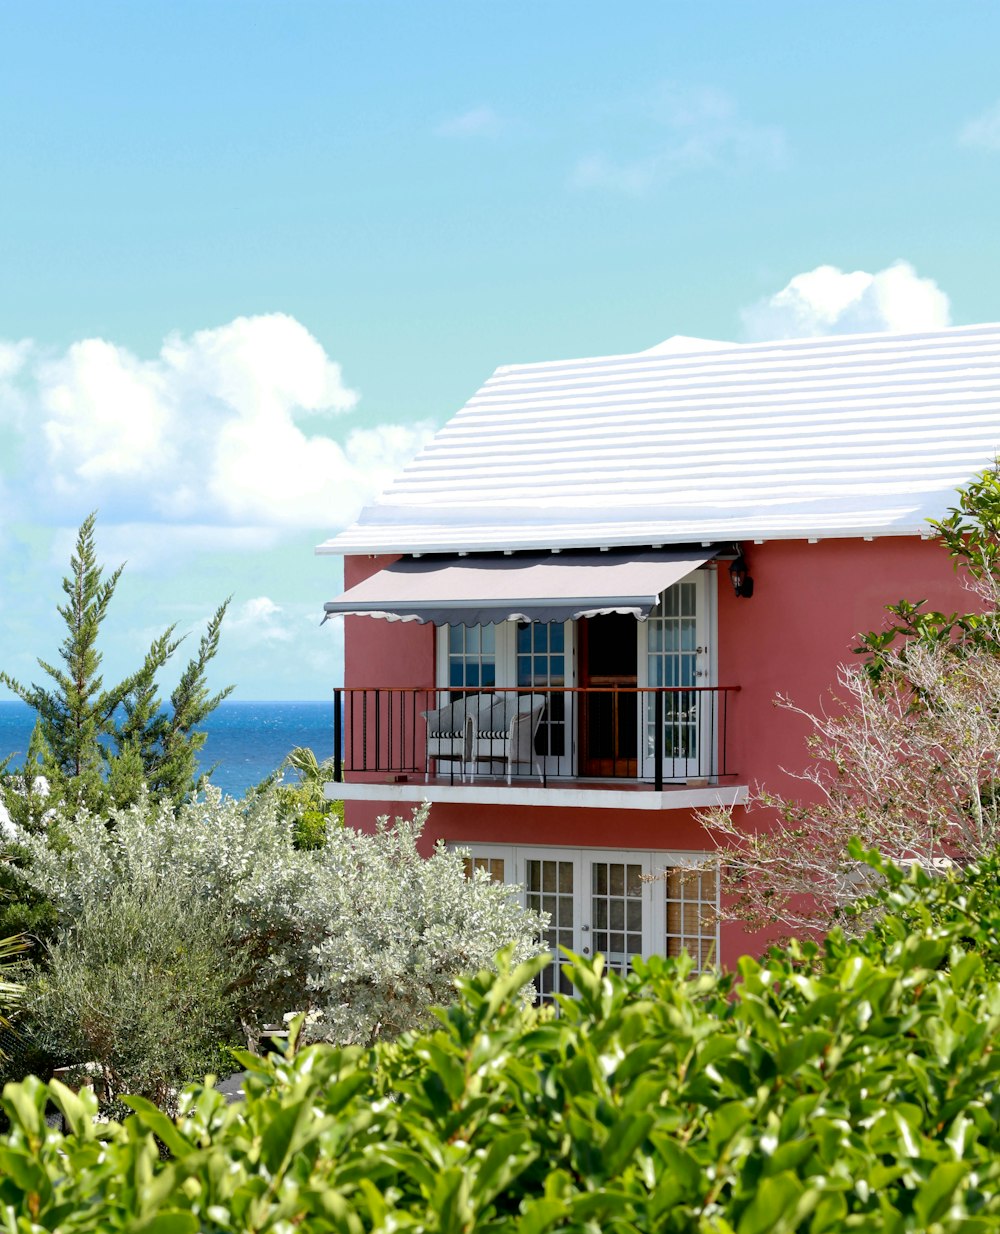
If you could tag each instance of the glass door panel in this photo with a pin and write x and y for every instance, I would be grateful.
(550, 887)
(692, 918)
(676, 658)
(542, 657)
(472, 657)
(616, 905)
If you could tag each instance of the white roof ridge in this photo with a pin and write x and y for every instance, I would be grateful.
(710, 349)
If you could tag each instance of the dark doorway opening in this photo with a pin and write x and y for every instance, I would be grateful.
(609, 710)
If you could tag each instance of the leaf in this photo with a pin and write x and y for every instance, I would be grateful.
(21, 1102)
(283, 1135)
(624, 1138)
(153, 1119)
(172, 1222)
(78, 1113)
(540, 1215)
(935, 1196)
(774, 1200)
(508, 1155)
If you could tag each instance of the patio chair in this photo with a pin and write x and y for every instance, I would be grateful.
(508, 736)
(451, 731)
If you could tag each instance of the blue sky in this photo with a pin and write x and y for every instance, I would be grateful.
(252, 253)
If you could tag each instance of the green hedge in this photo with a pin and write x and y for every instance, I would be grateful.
(854, 1087)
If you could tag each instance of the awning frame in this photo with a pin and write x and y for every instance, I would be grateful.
(457, 590)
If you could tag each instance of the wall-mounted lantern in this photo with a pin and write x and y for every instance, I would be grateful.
(740, 577)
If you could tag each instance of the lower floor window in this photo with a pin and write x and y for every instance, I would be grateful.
(601, 900)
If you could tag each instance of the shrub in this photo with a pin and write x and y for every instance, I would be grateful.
(137, 985)
(849, 1087)
(363, 934)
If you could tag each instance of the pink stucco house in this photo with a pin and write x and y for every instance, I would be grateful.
(568, 618)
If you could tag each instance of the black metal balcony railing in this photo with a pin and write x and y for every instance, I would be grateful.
(648, 735)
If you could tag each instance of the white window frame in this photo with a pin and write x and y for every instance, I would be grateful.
(706, 616)
(506, 679)
(502, 654)
(654, 924)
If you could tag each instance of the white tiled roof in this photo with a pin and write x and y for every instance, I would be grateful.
(841, 436)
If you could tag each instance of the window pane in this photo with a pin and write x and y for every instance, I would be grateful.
(692, 923)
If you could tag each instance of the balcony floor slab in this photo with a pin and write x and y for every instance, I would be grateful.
(578, 794)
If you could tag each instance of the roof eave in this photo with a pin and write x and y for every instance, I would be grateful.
(415, 545)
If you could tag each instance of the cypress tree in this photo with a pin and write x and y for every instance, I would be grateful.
(98, 746)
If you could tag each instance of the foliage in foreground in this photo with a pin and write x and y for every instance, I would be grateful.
(850, 1088)
(180, 928)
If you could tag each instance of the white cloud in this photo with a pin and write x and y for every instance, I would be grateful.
(104, 414)
(206, 435)
(259, 620)
(983, 130)
(13, 357)
(692, 130)
(829, 301)
(476, 122)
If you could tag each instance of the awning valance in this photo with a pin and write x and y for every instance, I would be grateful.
(484, 590)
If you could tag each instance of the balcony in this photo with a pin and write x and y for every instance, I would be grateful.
(628, 747)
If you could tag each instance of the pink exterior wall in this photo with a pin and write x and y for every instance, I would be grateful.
(384, 653)
(809, 604)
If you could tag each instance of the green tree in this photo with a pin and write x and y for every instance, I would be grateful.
(77, 711)
(163, 743)
(98, 744)
(971, 536)
(138, 984)
(305, 801)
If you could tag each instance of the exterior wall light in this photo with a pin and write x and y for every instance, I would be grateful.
(741, 580)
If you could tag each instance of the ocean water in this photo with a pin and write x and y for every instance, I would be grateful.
(247, 740)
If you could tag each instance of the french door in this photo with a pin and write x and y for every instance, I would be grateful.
(676, 655)
(601, 900)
